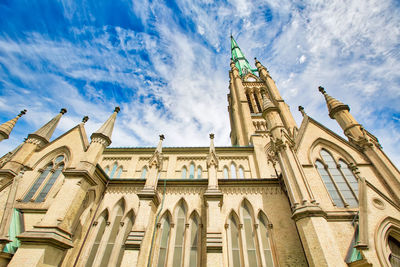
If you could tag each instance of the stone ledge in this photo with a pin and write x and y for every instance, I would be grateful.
(308, 211)
(134, 240)
(214, 242)
(149, 194)
(47, 235)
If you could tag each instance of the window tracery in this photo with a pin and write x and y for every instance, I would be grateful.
(340, 182)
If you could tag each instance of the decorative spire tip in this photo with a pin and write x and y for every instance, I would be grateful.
(117, 109)
(23, 112)
(63, 111)
(301, 109)
(85, 119)
(162, 137)
(321, 89)
(211, 136)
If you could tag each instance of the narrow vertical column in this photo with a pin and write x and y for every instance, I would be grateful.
(253, 102)
(213, 199)
(140, 240)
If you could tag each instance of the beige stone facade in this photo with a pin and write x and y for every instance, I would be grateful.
(281, 195)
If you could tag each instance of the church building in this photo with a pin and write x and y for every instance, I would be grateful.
(282, 195)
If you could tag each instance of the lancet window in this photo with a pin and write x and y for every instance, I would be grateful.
(199, 171)
(193, 171)
(143, 175)
(108, 245)
(243, 237)
(46, 180)
(115, 171)
(338, 179)
(394, 246)
(180, 244)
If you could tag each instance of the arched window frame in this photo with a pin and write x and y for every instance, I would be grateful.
(143, 174)
(192, 170)
(233, 221)
(184, 172)
(266, 243)
(178, 234)
(241, 174)
(226, 172)
(199, 172)
(163, 233)
(233, 171)
(344, 175)
(113, 237)
(189, 248)
(48, 177)
(249, 238)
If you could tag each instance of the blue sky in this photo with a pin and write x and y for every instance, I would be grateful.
(166, 63)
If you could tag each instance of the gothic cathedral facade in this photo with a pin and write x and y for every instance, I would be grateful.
(281, 195)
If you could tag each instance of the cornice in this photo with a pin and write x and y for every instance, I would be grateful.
(146, 150)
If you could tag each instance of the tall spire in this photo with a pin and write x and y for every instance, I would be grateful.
(6, 128)
(106, 129)
(46, 131)
(333, 104)
(239, 59)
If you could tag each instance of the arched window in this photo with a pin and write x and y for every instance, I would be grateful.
(249, 236)
(191, 171)
(50, 183)
(179, 236)
(265, 241)
(115, 227)
(194, 242)
(339, 182)
(119, 172)
(233, 171)
(162, 255)
(226, 173)
(257, 103)
(46, 180)
(394, 246)
(114, 168)
(241, 172)
(100, 227)
(106, 170)
(184, 171)
(199, 170)
(234, 239)
(249, 103)
(144, 172)
(122, 236)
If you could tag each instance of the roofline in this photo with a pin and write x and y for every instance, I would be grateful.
(205, 149)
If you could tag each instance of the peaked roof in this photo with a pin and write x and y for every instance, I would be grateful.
(107, 128)
(6, 128)
(239, 59)
(47, 130)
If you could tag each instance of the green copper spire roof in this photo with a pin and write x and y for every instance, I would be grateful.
(240, 60)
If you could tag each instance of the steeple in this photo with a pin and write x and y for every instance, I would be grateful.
(6, 128)
(106, 129)
(333, 104)
(239, 59)
(44, 134)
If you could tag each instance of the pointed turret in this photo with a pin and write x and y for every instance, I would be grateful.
(6, 128)
(212, 158)
(157, 157)
(333, 104)
(105, 131)
(239, 59)
(43, 135)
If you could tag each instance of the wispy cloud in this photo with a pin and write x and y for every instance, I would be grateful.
(166, 64)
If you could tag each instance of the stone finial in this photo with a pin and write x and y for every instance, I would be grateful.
(6, 128)
(211, 136)
(301, 109)
(212, 158)
(117, 109)
(44, 134)
(23, 112)
(162, 137)
(85, 119)
(333, 104)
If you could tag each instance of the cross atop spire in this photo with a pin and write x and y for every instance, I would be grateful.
(239, 59)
